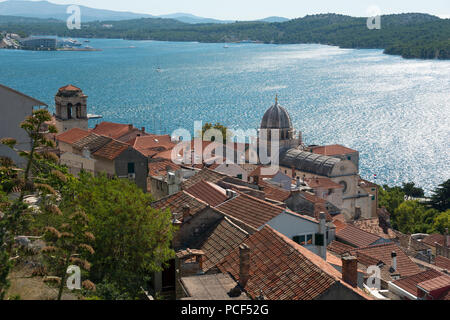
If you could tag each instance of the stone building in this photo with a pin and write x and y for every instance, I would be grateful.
(71, 109)
(297, 161)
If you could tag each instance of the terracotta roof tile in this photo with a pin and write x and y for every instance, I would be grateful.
(274, 193)
(113, 130)
(339, 247)
(72, 135)
(356, 237)
(158, 167)
(410, 283)
(436, 283)
(322, 182)
(442, 262)
(111, 150)
(257, 173)
(206, 175)
(382, 252)
(92, 142)
(208, 192)
(373, 226)
(332, 150)
(253, 211)
(432, 238)
(225, 237)
(69, 88)
(177, 201)
(282, 269)
(152, 144)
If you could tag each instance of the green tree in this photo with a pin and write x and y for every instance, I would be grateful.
(440, 199)
(223, 129)
(412, 191)
(132, 240)
(442, 222)
(408, 217)
(390, 198)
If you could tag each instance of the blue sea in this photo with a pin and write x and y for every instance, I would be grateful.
(396, 112)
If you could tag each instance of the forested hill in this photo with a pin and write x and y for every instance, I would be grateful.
(411, 35)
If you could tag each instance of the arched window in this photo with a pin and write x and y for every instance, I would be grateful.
(78, 110)
(69, 111)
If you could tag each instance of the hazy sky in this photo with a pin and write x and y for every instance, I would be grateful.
(255, 9)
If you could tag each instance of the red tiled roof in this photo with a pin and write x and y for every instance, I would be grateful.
(382, 252)
(410, 283)
(111, 150)
(152, 144)
(332, 150)
(177, 201)
(436, 283)
(158, 167)
(274, 193)
(356, 237)
(69, 88)
(72, 135)
(206, 191)
(257, 173)
(281, 269)
(113, 130)
(432, 238)
(323, 182)
(442, 262)
(253, 211)
(223, 240)
(206, 175)
(339, 223)
(92, 142)
(339, 247)
(373, 226)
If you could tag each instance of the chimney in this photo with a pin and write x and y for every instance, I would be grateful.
(394, 261)
(350, 270)
(143, 129)
(323, 230)
(186, 212)
(244, 265)
(130, 127)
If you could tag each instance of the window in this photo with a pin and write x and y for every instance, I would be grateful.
(318, 239)
(130, 167)
(349, 157)
(239, 176)
(299, 239)
(373, 197)
(305, 239)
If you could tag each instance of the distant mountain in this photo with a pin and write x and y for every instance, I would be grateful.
(47, 10)
(274, 19)
(190, 18)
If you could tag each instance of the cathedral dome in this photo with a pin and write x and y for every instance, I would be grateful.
(276, 117)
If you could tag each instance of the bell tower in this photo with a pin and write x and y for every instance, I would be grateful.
(71, 109)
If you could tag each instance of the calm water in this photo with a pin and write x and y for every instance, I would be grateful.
(394, 111)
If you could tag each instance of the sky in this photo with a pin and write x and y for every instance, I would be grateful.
(257, 9)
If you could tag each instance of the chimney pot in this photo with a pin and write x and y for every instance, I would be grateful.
(244, 265)
(394, 260)
(350, 270)
(143, 129)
